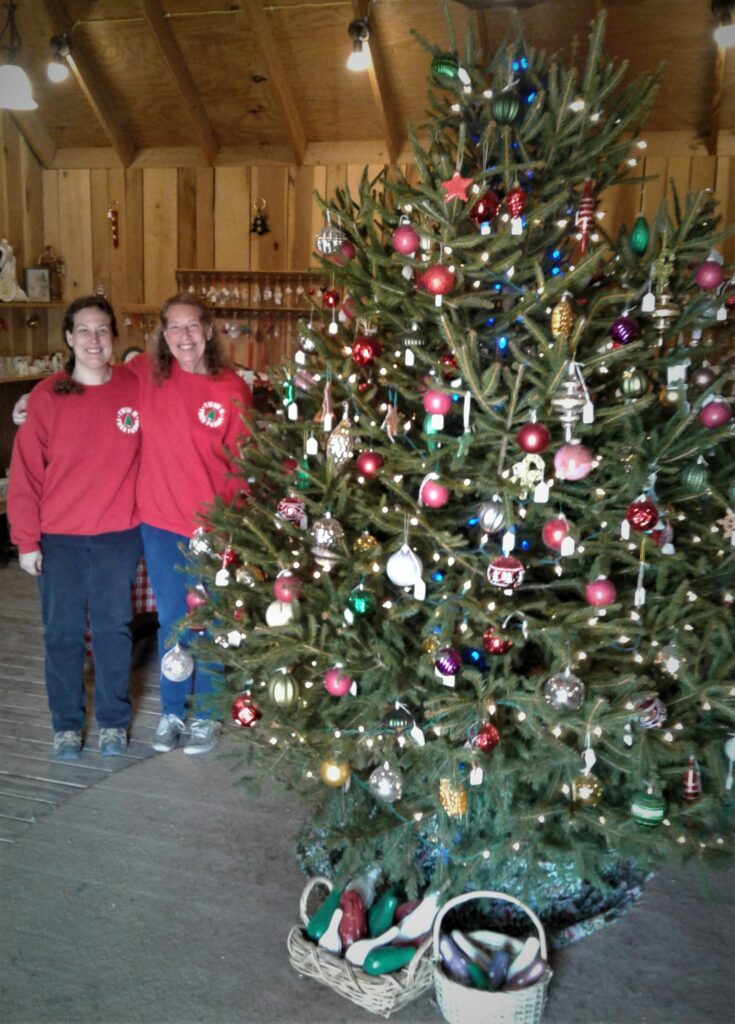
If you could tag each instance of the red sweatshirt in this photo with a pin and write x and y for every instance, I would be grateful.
(190, 423)
(75, 462)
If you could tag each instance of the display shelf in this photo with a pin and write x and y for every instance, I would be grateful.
(32, 304)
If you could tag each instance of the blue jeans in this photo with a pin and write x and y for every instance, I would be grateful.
(88, 575)
(164, 562)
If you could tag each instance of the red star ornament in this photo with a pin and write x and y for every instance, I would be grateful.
(456, 187)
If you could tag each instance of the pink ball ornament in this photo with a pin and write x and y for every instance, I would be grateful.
(433, 494)
(715, 413)
(573, 462)
(348, 307)
(287, 588)
(710, 275)
(554, 531)
(437, 279)
(600, 592)
(365, 350)
(195, 599)
(533, 438)
(438, 403)
(405, 240)
(369, 463)
(347, 249)
(336, 682)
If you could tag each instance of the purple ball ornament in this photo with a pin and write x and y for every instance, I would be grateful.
(448, 661)
(624, 330)
(715, 413)
(710, 275)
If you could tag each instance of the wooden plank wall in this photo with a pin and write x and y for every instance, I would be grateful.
(200, 217)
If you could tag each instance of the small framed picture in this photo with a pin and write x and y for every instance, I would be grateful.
(37, 284)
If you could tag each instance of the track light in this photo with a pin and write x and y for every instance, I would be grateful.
(725, 31)
(58, 69)
(15, 86)
(359, 32)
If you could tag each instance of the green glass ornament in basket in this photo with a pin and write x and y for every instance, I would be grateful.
(445, 68)
(506, 107)
(462, 1004)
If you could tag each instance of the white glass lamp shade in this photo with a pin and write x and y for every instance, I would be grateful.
(15, 89)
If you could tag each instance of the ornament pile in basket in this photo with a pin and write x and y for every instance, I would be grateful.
(489, 977)
(373, 951)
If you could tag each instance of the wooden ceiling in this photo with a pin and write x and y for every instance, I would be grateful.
(202, 82)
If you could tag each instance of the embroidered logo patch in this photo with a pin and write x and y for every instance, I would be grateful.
(127, 420)
(212, 414)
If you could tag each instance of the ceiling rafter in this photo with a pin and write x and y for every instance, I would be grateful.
(377, 71)
(160, 27)
(273, 66)
(82, 63)
(36, 135)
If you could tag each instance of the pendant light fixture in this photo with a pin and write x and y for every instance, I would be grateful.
(15, 86)
(359, 32)
(725, 31)
(58, 69)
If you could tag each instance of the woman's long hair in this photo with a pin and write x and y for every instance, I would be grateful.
(67, 385)
(215, 360)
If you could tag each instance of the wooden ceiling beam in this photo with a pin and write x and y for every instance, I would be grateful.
(83, 66)
(382, 95)
(173, 58)
(273, 67)
(36, 136)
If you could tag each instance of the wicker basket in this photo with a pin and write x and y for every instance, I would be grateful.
(382, 994)
(462, 1005)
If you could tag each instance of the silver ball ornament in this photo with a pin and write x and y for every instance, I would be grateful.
(564, 691)
(177, 664)
(386, 784)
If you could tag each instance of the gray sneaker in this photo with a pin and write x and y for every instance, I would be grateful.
(167, 733)
(113, 742)
(67, 745)
(204, 735)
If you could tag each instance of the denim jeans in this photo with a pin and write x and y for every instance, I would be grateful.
(88, 575)
(164, 562)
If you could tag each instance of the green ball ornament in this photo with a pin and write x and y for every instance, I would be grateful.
(696, 478)
(303, 481)
(648, 809)
(634, 384)
(640, 235)
(361, 601)
(445, 68)
(506, 108)
(283, 690)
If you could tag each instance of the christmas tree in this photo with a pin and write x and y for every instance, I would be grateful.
(477, 603)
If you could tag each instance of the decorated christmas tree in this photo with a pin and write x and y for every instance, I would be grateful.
(477, 605)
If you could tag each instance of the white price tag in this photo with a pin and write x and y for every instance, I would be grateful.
(222, 578)
(408, 357)
(293, 411)
(312, 445)
(437, 421)
(625, 530)
(639, 598)
(588, 413)
(567, 547)
(419, 590)
(476, 775)
(541, 493)
(327, 423)
(648, 303)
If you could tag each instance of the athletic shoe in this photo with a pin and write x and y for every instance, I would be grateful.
(67, 745)
(167, 733)
(113, 742)
(204, 735)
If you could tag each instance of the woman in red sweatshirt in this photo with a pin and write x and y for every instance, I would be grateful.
(191, 417)
(72, 513)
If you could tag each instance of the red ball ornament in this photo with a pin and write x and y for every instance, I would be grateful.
(495, 644)
(710, 275)
(506, 571)
(448, 363)
(365, 350)
(405, 240)
(600, 592)
(533, 438)
(369, 463)
(554, 531)
(433, 494)
(573, 462)
(642, 515)
(336, 682)
(438, 403)
(245, 712)
(438, 279)
(486, 738)
(347, 249)
(515, 201)
(331, 298)
(715, 413)
(229, 558)
(485, 209)
(287, 588)
(289, 464)
(348, 307)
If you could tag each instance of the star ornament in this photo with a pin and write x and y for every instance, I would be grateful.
(456, 187)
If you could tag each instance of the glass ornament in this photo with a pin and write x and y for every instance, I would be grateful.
(340, 444)
(330, 239)
(177, 664)
(562, 318)
(639, 235)
(365, 543)
(586, 790)
(404, 568)
(445, 67)
(573, 461)
(453, 798)
(283, 690)
(692, 782)
(484, 737)
(280, 613)
(564, 691)
(494, 644)
(648, 808)
(326, 534)
(448, 661)
(650, 712)
(533, 438)
(642, 515)
(244, 711)
(386, 783)
(335, 771)
(634, 383)
(491, 516)
(715, 413)
(506, 107)
(361, 601)
(624, 330)
(506, 572)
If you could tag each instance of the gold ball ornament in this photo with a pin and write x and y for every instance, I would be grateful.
(670, 398)
(562, 318)
(335, 771)
(453, 798)
(283, 690)
(365, 543)
(586, 790)
(430, 645)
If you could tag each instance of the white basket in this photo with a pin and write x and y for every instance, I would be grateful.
(382, 994)
(460, 1004)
